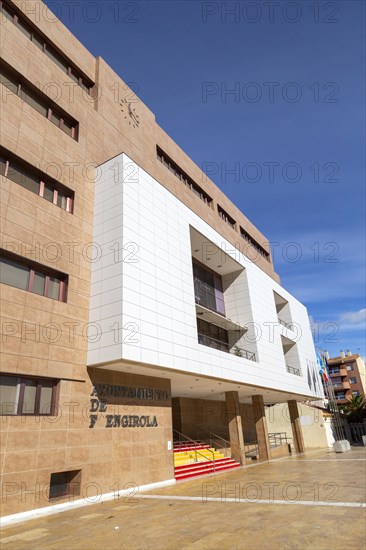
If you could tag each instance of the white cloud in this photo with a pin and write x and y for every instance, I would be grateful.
(356, 319)
(347, 321)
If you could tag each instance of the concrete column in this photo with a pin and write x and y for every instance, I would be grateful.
(261, 427)
(296, 426)
(235, 426)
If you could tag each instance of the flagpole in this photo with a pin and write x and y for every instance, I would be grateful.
(329, 393)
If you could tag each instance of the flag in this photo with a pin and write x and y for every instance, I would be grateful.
(325, 369)
(322, 363)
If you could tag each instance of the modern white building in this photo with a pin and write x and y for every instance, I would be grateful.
(172, 295)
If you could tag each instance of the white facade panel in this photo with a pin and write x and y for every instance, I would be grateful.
(145, 278)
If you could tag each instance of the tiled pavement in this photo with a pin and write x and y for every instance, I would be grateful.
(248, 508)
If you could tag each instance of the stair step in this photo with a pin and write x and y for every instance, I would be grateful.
(204, 464)
(192, 459)
(186, 449)
(199, 472)
(199, 453)
(188, 443)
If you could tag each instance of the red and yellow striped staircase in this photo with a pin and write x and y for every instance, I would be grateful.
(194, 458)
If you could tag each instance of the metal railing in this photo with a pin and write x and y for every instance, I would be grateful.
(185, 438)
(219, 442)
(293, 370)
(357, 431)
(210, 342)
(213, 439)
(213, 342)
(241, 352)
(278, 438)
(287, 325)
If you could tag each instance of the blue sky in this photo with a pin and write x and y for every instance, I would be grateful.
(293, 130)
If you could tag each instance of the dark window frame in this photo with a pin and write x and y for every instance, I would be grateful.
(245, 235)
(21, 382)
(226, 217)
(58, 189)
(25, 89)
(34, 267)
(72, 484)
(182, 176)
(18, 20)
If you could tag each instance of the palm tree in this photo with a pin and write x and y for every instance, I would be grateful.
(355, 410)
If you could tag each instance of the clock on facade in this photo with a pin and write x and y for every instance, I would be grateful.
(130, 113)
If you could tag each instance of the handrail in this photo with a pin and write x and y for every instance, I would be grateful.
(241, 352)
(274, 436)
(287, 325)
(221, 343)
(227, 443)
(195, 448)
(293, 370)
(214, 434)
(206, 340)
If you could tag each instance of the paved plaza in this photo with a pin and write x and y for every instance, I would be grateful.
(314, 501)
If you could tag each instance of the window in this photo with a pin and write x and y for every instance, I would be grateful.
(32, 179)
(181, 175)
(38, 101)
(64, 484)
(334, 370)
(23, 177)
(8, 13)
(340, 396)
(349, 367)
(226, 217)
(9, 81)
(212, 336)
(356, 393)
(353, 380)
(245, 235)
(25, 29)
(25, 275)
(208, 288)
(56, 58)
(43, 44)
(21, 396)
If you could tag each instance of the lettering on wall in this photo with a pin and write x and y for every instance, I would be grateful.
(98, 404)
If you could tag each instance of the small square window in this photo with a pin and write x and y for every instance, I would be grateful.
(65, 483)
